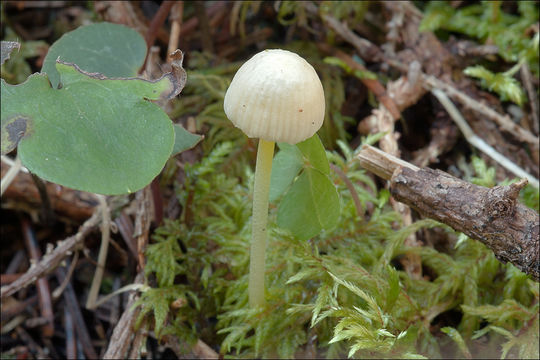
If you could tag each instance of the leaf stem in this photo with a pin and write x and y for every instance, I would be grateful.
(263, 169)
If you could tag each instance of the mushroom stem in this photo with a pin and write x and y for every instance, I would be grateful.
(263, 169)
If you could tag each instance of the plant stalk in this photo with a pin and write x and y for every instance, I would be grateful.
(263, 169)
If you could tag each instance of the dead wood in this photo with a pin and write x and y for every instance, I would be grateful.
(439, 71)
(139, 341)
(200, 350)
(71, 341)
(72, 305)
(533, 98)
(365, 48)
(125, 227)
(123, 331)
(204, 27)
(51, 260)
(157, 22)
(444, 135)
(44, 292)
(23, 194)
(142, 223)
(491, 216)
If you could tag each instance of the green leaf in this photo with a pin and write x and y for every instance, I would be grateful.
(285, 167)
(109, 49)
(436, 15)
(503, 84)
(332, 60)
(95, 134)
(364, 74)
(393, 288)
(324, 297)
(161, 260)
(311, 205)
(485, 176)
(456, 336)
(359, 292)
(161, 309)
(530, 196)
(157, 301)
(360, 74)
(384, 196)
(289, 161)
(489, 22)
(184, 140)
(313, 151)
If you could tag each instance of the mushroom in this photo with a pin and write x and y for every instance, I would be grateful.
(275, 96)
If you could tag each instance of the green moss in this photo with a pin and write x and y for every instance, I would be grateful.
(489, 23)
(343, 292)
(338, 294)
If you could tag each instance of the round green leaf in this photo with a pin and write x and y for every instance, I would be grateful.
(95, 134)
(109, 49)
(311, 205)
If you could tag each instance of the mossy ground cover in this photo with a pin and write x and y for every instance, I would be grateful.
(344, 292)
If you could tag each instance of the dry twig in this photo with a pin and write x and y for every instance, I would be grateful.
(31, 343)
(492, 216)
(60, 289)
(72, 304)
(125, 227)
(204, 27)
(142, 222)
(200, 350)
(71, 341)
(157, 22)
(103, 249)
(503, 121)
(123, 331)
(23, 194)
(533, 97)
(478, 142)
(177, 12)
(139, 341)
(203, 351)
(365, 48)
(430, 81)
(51, 260)
(10, 175)
(44, 292)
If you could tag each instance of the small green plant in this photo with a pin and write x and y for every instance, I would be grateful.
(86, 122)
(503, 84)
(488, 23)
(485, 176)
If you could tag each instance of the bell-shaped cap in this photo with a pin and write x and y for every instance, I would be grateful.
(277, 96)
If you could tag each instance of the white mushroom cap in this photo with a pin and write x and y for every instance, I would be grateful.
(277, 96)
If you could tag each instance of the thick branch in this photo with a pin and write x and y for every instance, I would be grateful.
(491, 216)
